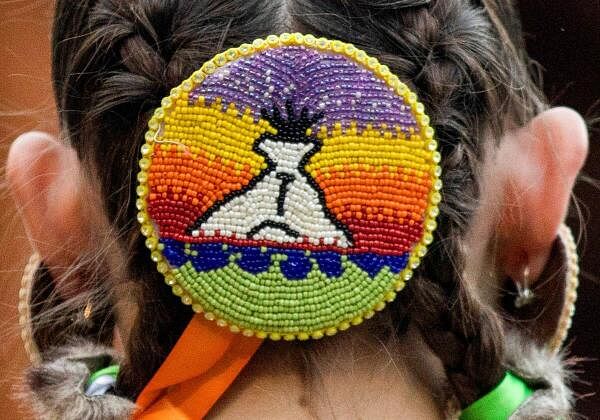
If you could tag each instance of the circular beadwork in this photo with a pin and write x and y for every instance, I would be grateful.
(289, 188)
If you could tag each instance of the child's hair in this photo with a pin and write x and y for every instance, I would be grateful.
(113, 61)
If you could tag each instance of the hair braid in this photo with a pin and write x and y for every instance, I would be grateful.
(133, 53)
(452, 54)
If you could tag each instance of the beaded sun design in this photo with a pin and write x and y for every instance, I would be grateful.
(289, 187)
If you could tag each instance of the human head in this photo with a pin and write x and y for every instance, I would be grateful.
(113, 63)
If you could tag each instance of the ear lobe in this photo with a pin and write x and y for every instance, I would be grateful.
(537, 167)
(43, 177)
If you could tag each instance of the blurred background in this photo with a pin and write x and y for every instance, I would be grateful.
(26, 103)
(564, 37)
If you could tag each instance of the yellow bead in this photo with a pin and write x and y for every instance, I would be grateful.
(379, 306)
(357, 321)
(317, 335)
(298, 38)
(350, 50)
(323, 43)
(285, 38)
(344, 326)
(272, 40)
(369, 314)
(331, 331)
(187, 85)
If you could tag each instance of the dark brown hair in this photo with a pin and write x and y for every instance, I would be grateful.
(113, 61)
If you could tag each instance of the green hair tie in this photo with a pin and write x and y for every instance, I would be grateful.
(501, 402)
(112, 370)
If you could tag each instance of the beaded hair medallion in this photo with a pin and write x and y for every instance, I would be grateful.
(289, 187)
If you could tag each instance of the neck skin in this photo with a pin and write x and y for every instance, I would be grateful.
(366, 372)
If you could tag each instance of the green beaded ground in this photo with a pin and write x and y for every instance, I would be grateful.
(269, 302)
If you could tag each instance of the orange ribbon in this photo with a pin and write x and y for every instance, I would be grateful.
(204, 362)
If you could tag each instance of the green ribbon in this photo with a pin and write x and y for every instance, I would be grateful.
(501, 402)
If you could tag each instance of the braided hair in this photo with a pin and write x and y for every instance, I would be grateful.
(113, 61)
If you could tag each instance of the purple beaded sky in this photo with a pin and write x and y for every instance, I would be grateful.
(320, 81)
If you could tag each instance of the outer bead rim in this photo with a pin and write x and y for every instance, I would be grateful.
(246, 50)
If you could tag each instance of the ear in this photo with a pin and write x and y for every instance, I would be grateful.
(536, 168)
(44, 179)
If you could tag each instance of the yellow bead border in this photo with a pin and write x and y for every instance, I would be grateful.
(246, 50)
